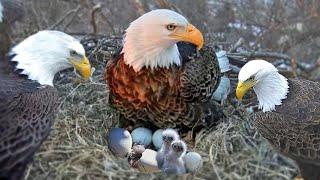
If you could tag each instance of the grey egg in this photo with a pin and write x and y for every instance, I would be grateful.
(157, 138)
(193, 162)
(142, 136)
(119, 142)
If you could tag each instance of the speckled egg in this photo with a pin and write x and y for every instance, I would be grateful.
(142, 136)
(119, 142)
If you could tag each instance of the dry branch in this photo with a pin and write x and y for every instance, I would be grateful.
(236, 45)
(94, 11)
(259, 54)
(138, 5)
(73, 11)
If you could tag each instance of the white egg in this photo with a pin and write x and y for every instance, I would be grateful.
(157, 138)
(148, 162)
(142, 136)
(119, 142)
(193, 162)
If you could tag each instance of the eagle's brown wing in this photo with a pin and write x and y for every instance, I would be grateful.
(201, 75)
(294, 128)
(171, 97)
(26, 115)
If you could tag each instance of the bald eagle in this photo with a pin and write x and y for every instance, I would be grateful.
(28, 100)
(290, 116)
(159, 77)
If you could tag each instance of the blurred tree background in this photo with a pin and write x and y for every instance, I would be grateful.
(287, 26)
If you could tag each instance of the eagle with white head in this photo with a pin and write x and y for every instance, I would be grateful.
(290, 113)
(163, 76)
(45, 53)
(28, 100)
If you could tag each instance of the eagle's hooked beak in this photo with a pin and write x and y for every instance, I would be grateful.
(83, 66)
(191, 35)
(243, 87)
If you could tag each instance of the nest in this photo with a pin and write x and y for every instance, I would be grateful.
(77, 147)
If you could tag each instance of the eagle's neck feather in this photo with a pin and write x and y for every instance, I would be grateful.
(152, 52)
(271, 88)
(40, 68)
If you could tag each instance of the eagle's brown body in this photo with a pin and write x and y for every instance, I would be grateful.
(27, 112)
(294, 127)
(174, 97)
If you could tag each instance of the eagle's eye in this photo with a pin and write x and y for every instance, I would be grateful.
(171, 27)
(73, 53)
(251, 78)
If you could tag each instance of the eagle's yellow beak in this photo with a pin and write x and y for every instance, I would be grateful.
(83, 66)
(243, 88)
(191, 34)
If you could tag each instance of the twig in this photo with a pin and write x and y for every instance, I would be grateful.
(104, 17)
(138, 5)
(256, 54)
(236, 45)
(95, 9)
(71, 19)
(167, 5)
(294, 66)
(64, 17)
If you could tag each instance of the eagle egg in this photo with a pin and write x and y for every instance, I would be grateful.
(157, 139)
(142, 136)
(119, 142)
(193, 161)
(148, 162)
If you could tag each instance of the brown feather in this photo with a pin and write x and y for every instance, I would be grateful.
(172, 97)
(294, 128)
(26, 115)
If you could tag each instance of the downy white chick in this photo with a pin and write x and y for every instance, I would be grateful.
(168, 136)
(173, 162)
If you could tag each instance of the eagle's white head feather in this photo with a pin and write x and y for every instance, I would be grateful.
(45, 53)
(270, 86)
(150, 41)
